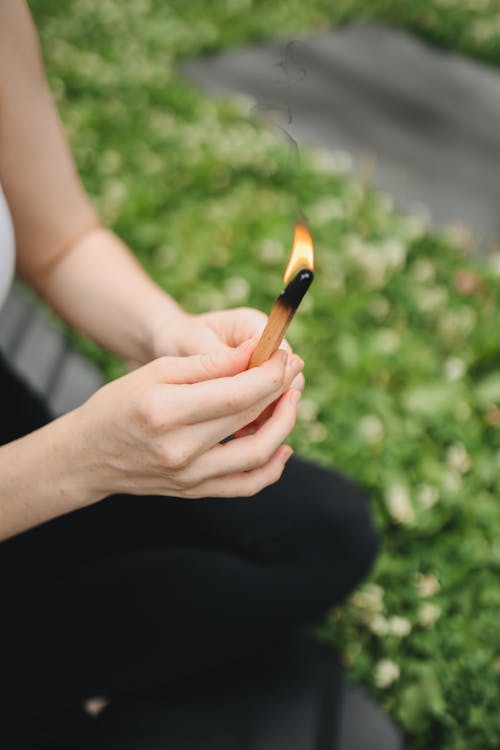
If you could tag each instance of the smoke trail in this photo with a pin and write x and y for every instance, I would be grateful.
(277, 115)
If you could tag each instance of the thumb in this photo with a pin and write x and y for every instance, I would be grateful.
(218, 363)
(203, 340)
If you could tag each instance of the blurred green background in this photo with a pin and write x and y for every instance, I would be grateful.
(399, 333)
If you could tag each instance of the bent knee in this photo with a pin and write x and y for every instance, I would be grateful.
(346, 541)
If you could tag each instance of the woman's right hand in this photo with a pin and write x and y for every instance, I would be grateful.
(158, 430)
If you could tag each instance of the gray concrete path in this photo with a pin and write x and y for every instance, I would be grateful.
(43, 356)
(430, 120)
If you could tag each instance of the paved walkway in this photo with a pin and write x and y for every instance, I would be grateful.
(430, 121)
(43, 355)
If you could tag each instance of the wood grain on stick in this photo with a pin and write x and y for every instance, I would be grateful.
(281, 316)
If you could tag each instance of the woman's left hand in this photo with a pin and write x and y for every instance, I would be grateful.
(198, 334)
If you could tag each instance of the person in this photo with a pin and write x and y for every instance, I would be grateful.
(138, 545)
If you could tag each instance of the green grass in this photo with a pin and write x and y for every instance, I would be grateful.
(399, 332)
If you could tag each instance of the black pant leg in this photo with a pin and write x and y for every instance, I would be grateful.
(22, 410)
(141, 619)
(135, 591)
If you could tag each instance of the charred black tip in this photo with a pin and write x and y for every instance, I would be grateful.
(296, 288)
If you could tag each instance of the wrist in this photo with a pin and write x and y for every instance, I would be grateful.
(169, 333)
(163, 323)
(48, 471)
(76, 469)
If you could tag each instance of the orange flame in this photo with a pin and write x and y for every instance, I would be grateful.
(302, 252)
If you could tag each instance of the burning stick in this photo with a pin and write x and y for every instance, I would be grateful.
(298, 277)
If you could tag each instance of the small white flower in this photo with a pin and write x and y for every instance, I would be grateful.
(387, 340)
(424, 270)
(452, 481)
(427, 585)
(415, 226)
(458, 458)
(332, 162)
(378, 625)
(271, 251)
(454, 368)
(325, 210)
(317, 432)
(399, 626)
(371, 598)
(371, 428)
(308, 410)
(399, 504)
(428, 614)
(395, 252)
(374, 267)
(237, 289)
(386, 672)
(427, 495)
(354, 247)
(494, 262)
(432, 298)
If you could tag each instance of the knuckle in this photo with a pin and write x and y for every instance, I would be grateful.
(207, 363)
(184, 481)
(278, 377)
(250, 489)
(236, 401)
(261, 454)
(161, 368)
(252, 412)
(210, 362)
(176, 456)
(148, 412)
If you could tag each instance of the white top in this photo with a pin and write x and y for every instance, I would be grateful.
(7, 249)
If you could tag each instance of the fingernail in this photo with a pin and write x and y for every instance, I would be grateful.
(296, 365)
(282, 354)
(247, 344)
(295, 397)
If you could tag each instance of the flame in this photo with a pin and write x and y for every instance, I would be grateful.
(302, 252)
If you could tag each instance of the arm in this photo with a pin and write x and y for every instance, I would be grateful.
(159, 429)
(41, 476)
(156, 431)
(81, 269)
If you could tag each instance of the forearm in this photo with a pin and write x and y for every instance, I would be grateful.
(100, 289)
(42, 475)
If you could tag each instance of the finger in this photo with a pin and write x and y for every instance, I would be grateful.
(237, 325)
(247, 453)
(245, 322)
(203, 340)
(225, 396)
(299, 382)
(212, 432)
(244, 484)
(219, 363)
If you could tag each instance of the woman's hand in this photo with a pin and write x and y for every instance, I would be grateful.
(196, 334)
(158, 430)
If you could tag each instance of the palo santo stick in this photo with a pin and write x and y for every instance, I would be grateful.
(281, 316)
